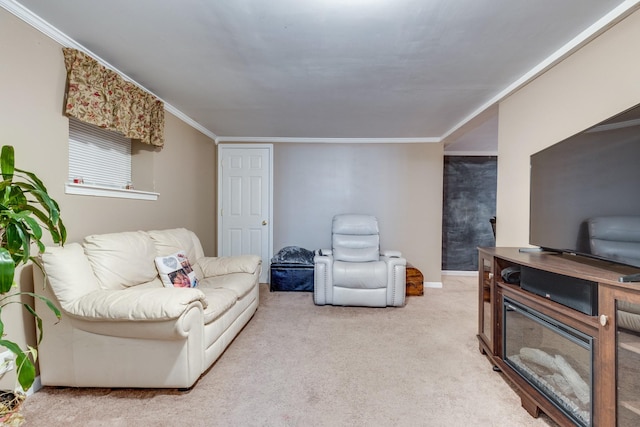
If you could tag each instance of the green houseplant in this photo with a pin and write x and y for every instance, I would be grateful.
(26, 211)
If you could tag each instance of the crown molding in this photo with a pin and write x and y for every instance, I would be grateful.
(470, 153)
(329, 140)
(53, 33)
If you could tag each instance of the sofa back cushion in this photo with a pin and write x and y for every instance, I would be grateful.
(121, 260)
(170, 241)
(69, 273)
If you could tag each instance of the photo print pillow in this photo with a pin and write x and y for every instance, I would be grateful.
(175, 271)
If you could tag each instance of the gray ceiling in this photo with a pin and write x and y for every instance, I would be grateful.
(304, 69)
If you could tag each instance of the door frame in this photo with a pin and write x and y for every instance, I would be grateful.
(231, 146)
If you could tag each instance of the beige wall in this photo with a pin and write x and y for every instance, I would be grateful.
(32, 79)
(399, 183)
(597, 82)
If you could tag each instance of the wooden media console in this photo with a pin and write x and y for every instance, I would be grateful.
(577, 366)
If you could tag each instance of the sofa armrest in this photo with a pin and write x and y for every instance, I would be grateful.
(219, 266)
(135, 304)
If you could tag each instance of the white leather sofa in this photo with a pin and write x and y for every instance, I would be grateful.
(121, 327)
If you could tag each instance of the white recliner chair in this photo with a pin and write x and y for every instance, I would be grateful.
(354, 272)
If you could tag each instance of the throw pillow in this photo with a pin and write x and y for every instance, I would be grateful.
(176, 271)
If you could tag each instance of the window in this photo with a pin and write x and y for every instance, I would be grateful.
(98, 156)
(100, 163)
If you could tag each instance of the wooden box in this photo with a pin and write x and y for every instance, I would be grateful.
(415, 281)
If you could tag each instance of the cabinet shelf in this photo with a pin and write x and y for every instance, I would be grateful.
(629, 342)
(632, 406)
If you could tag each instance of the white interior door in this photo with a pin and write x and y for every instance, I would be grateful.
(245, 177)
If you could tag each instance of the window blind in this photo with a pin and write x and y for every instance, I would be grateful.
(98, 156)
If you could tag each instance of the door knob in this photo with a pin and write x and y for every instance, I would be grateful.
(264, 222)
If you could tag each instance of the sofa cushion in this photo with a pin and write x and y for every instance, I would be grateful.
(176, 271)
(239, 283)
(120, 260)
(219, 300)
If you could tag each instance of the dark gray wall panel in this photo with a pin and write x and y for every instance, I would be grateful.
(469, 203)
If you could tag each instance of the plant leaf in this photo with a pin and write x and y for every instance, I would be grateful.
(63, 231)
(7, 270)
(26, 371)
(47, 301)
(34, 179)
(46, 201)
(11, 346)
(7, 162)
(36, 230)
(38, 320)
(18, 241)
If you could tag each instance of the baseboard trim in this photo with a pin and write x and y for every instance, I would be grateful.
(37, 385)
(459, 273)
(432, 284)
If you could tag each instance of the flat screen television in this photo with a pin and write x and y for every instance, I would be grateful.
(593, 174)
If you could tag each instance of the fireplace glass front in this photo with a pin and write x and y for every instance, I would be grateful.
(554, 358)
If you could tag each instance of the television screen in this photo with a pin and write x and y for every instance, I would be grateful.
(588, 183)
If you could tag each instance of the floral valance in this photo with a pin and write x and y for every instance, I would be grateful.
(102, 97)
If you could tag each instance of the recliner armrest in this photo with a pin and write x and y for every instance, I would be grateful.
(323, 279)
(391, 254)
(396, 271)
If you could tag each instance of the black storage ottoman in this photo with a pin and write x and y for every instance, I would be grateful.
(292, 270)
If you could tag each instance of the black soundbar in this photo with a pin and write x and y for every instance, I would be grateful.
(575, 293)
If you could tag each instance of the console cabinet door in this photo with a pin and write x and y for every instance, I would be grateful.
(486, 302)
(620, 320)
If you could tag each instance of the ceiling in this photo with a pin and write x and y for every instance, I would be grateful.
(332, 70)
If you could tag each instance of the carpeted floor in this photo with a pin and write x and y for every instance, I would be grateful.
(297, 364)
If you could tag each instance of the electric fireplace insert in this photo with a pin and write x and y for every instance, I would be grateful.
(554, 358)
